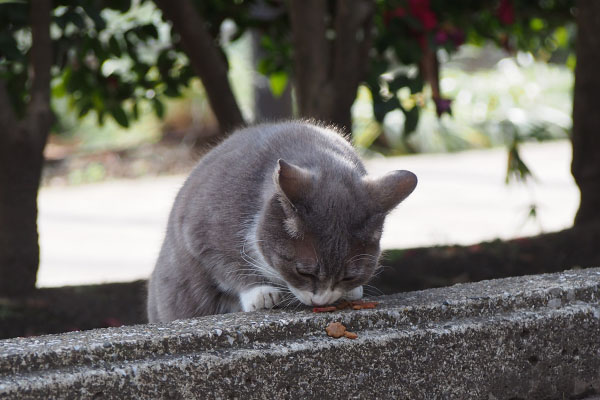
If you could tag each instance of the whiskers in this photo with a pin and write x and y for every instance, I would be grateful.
(363, 257)
(371, 290)
(260, 265)
(258, 269)
(378, 271)
(289, 300)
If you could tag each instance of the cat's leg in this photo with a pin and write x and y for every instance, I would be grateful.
(259, 297)
(354, 294)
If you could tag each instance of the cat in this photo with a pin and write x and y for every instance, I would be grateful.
(275, 213)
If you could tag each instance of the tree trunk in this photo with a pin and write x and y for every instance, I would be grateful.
(205, 59)
(21, 159)
(328, 72)
(586, 120)
(314, 92)
(20, 169)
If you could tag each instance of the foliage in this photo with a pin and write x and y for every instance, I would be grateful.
(111, 55)
(411, 33)
(108, 56)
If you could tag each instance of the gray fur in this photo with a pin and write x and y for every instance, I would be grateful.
(243, 218)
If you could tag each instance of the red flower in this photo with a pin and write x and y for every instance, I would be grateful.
(420, 9)
(458, 37)
(448, 32)
(441, 37)
(397, 12)
(506, 12)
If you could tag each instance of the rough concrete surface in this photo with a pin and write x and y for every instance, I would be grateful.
(516, 338)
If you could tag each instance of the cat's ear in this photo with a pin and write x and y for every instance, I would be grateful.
(293, 181)
(389, 190)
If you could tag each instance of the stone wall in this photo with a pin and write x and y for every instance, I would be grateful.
(516, 338)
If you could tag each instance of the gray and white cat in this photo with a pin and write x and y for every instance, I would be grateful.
(275, 212)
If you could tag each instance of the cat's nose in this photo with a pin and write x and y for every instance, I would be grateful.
(317, 301)
(323, 299)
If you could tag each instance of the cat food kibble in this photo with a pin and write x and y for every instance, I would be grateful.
(350, 335)
(335, 330)
(361, 305)
(355, 305)
(324, 309)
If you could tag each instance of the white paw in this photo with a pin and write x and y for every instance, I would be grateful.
(259, 297)
(354, 294)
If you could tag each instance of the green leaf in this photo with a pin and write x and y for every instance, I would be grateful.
(135, 111)
(101, 114)
(172, 90)
(150, 30)
(411, 121)
(119, 115)
(114, 47)
(537, 24)
(159, 108)
(85, 108)
(561, 35)
(571, 62)
(59, 89)
(278, 82)
(398, 83)
(264, 66)
(381, 108)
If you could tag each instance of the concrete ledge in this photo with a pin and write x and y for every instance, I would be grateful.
(527, 337)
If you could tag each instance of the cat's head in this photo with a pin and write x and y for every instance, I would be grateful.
(320, 233)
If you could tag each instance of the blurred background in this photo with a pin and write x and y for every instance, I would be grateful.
(106, 106)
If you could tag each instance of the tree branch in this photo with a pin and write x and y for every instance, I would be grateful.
(39, 115)
(311, 58)
(205, 60)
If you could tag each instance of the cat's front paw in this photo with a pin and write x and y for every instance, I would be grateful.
(259, 297)
(354, 294)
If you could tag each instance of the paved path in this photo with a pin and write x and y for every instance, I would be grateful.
(112, 231)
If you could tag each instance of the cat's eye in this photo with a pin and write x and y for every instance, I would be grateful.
(348, 278)
(305, 273)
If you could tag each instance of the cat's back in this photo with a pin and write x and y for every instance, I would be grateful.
(232, 181)
(293, 140)
(250, 154)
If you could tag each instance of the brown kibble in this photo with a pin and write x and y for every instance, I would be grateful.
(325, 309)
(370, 304)
(350, 335)
(335, 330)
(343, 305)
(360, 305)
(355, 305)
